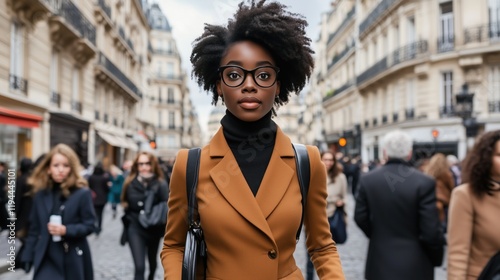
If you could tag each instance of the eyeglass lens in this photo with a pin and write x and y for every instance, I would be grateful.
(234, 76)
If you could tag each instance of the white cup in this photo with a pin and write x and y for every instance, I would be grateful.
(56, 219)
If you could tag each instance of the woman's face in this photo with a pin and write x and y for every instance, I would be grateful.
(59, 168)
(495, 162)
(248, 102)
(328, 160)
(144, 164)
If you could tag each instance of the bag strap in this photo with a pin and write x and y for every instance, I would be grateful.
(304, 176)
(192, 170)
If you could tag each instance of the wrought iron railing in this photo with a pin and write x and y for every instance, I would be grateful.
(115, 71)
(55, 98)
(410, 113)
(367, 123)
(374, 70)
(408, 52)
(76, 105)
(487, 32)
(18, 83)
(494, 106)
(384, 119)
(340, 55)
(447, 111)
(77, 20)
(346, 20)
(105, 8)
(105, 118)
(97, 115)
(164, 51)
(375, 121)
(168, 76)
(446, 43)
(395, 117)
(374, 16)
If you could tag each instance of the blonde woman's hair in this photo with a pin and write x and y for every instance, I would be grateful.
(438, 166)
(41, 180)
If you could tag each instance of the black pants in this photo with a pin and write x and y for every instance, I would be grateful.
(98, 212)
(140, 245)
(309, 269)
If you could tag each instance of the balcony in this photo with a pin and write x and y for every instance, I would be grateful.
(55, 98)
(103, 14)
(344, 23)
(106, 70)
(494, 106)
(31, 11)
(167, 77)
(484, 33)
(408, 52)
(97, 115)
(382, 9)
(374, 70)
(446, 43)
(164, 52)
(339, 56)
(395, 117)
(76, 106)
(70, 28)
(384, 119)
(375, 122)
(105, 119)
(18, 83)
(339, 90)
(447, 111)
(367, 123)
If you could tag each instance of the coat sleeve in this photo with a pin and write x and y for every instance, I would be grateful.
(430, 229)
(175, 233)
(362, 210)
(460, 226)
(33, 233)
(87, 217)
(320, 244)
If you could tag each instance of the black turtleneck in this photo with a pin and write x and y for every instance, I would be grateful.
(252, 144)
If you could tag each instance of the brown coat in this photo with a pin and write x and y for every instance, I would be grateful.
(251, 237)
(473, 232)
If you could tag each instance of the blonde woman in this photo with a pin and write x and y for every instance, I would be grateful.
(439, 170)
(60, 191)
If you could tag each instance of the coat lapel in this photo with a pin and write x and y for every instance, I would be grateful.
(232, 184)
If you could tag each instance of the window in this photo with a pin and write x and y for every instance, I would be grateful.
(494, 89)
(494, 13)
(410, 93)
(171, 141)
(170, 95)
(396, 36)
(171, 120)
(170, 69)
(75, 90)
(159, 95)
(446, 93)
(410, 28)
(447, 35)
(17, 81)
(160, 117)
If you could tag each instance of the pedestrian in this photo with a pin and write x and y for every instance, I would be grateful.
(337, 192)
(248, 194)
(117, 180)
(438, 169)
(145, 175)
(23, 198)
(3, 198)
(454, 165)
(99, 184)
(60, 192)
(473, 227)
(396, 209)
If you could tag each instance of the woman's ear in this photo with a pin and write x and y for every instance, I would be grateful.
(219, 88)
(277, 89)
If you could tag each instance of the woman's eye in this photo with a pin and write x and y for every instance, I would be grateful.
(233, 76)
(263, 76)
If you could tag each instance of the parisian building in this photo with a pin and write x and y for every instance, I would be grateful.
(79, 72)
(430, 68)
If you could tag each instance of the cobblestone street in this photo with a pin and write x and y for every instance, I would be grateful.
(112, 261)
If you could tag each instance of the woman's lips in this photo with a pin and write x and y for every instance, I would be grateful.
(249, 103)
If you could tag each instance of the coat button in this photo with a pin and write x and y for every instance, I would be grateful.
(140, 203)
(272, 254)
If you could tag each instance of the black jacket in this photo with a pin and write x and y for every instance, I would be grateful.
(396, 209)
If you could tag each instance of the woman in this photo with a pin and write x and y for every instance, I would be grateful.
(473, 227)
(248, 195)
(438, 169)
(116, 187)
(336, 184)
(23, 199)
(144, 176)
(60, 191)
(98, 183)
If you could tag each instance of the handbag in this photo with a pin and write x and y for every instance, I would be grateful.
(338, 226)
(153, 215)
(492, 269)
(195, 252)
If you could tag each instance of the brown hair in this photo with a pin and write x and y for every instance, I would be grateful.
(477, 165)
(134, 171)
(437, 166)
(334, 170)
(40, 179)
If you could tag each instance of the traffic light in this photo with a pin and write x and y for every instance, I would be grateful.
(435, 133)
(342, 142)
(152, 144)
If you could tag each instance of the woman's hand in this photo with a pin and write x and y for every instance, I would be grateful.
(339, 203)
(55, 229)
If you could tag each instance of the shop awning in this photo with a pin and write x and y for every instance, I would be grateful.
(118, 141)
(12, 117)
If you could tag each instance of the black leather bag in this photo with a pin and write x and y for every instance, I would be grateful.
(338, 226)
(195, 252)
(492, 269)
(153, 215)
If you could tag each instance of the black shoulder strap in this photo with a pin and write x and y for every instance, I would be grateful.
(192, 169)
(304, 175)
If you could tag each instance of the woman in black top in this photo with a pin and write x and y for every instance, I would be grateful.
(99, 184)
(144, 175)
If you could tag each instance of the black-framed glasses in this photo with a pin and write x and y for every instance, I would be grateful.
(263, 76)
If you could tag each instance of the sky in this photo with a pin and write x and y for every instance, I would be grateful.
(187, 18)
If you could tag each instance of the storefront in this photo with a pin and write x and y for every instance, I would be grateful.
(72, 131)
(16, 135)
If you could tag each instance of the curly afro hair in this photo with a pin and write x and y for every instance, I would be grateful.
(476, 169)
(268, 24)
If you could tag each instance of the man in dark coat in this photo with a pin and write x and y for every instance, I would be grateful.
(396, 209)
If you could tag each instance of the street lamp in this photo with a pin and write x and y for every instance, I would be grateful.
(464, 108)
